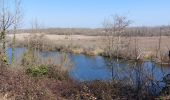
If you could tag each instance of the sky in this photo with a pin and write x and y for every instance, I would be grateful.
(91, 13)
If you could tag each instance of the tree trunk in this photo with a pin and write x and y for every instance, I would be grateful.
(3, 41)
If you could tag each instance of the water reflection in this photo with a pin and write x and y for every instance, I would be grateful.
(88, 68)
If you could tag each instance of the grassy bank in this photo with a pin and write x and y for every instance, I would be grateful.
(143, 48)
(35, 80)
(19, 85)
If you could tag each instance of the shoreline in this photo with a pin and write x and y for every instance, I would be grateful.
(102, 54)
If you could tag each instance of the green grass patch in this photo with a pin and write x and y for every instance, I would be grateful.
(38, 71)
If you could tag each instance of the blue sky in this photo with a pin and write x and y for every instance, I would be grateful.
(91, 13)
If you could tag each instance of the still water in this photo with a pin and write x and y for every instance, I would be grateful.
(89, 68)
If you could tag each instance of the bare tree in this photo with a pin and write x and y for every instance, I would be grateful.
(7, 20)
(114, 30)
(9, 17)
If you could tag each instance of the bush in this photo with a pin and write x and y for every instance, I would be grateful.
(48, 71)
(57, 73)
(38, 71)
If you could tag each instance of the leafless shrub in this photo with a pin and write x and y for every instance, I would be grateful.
(114, 29)
(8, 18)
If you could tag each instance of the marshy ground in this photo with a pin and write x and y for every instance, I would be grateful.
(36, 79)
(95, 45)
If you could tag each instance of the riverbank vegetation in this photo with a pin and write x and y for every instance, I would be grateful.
(32, 77)
(116, 42)
(36, 83)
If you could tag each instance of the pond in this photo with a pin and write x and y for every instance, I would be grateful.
(89, 68)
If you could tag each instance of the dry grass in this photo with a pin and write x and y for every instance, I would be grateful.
(22, 87)
(17, 85)
(95, 45)
(147, 43)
